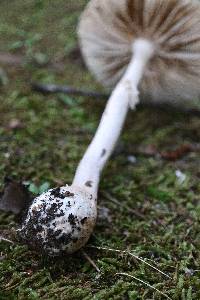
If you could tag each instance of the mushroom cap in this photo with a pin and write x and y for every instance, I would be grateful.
(62, 219)
(108, 29)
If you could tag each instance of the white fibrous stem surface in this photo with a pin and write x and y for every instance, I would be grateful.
(125, 95)
(63, 219)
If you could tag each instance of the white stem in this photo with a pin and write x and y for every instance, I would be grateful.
(124, 95)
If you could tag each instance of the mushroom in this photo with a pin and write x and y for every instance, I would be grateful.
(131, 45)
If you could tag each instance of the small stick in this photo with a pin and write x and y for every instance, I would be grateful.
(145, 283)
(5, 240)
(68, 90)
(132, 255)
(90, 261)
(53, 88)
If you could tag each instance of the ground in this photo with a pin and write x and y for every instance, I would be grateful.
(144, 207)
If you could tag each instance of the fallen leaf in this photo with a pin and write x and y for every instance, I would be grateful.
(15, 197)
(177, 153)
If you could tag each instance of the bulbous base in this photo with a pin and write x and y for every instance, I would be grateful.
(62, 219)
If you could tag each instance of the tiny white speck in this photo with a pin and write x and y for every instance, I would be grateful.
(132, 159)
(180, 176)
(7, 155)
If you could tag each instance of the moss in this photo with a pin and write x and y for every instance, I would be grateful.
(45, 150)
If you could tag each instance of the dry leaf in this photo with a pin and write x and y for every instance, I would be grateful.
(15, 197)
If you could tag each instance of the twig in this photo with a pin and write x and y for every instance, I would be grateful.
(90, 261)
(145, 283)
(132, 255)
(11, 287)
(5, 240)
(115, 201)
(53, 88)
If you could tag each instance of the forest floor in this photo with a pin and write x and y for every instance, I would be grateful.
(148, 202)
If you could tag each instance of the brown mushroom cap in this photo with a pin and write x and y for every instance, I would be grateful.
(108, 29)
